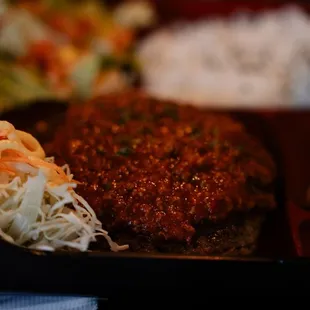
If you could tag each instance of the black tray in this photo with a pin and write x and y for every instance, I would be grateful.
(111, 276)
(103, 274)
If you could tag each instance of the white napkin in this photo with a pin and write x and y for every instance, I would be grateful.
(43, 302)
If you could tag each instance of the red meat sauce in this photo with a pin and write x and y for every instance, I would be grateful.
(160, 169)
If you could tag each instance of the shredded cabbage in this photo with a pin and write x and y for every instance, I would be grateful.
(39, 208)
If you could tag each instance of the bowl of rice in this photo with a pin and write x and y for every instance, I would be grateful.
(223, 54)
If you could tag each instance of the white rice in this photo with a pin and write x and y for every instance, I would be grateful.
(234, 62)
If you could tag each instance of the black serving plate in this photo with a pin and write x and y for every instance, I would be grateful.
(109, 275)
(103, 274)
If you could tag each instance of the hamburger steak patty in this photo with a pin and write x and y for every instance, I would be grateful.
(168, 177)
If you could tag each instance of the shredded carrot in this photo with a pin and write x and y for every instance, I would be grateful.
(17, 156)
(6, 169)
(11, 155)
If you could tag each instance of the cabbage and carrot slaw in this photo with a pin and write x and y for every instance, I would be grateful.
(39, 208)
